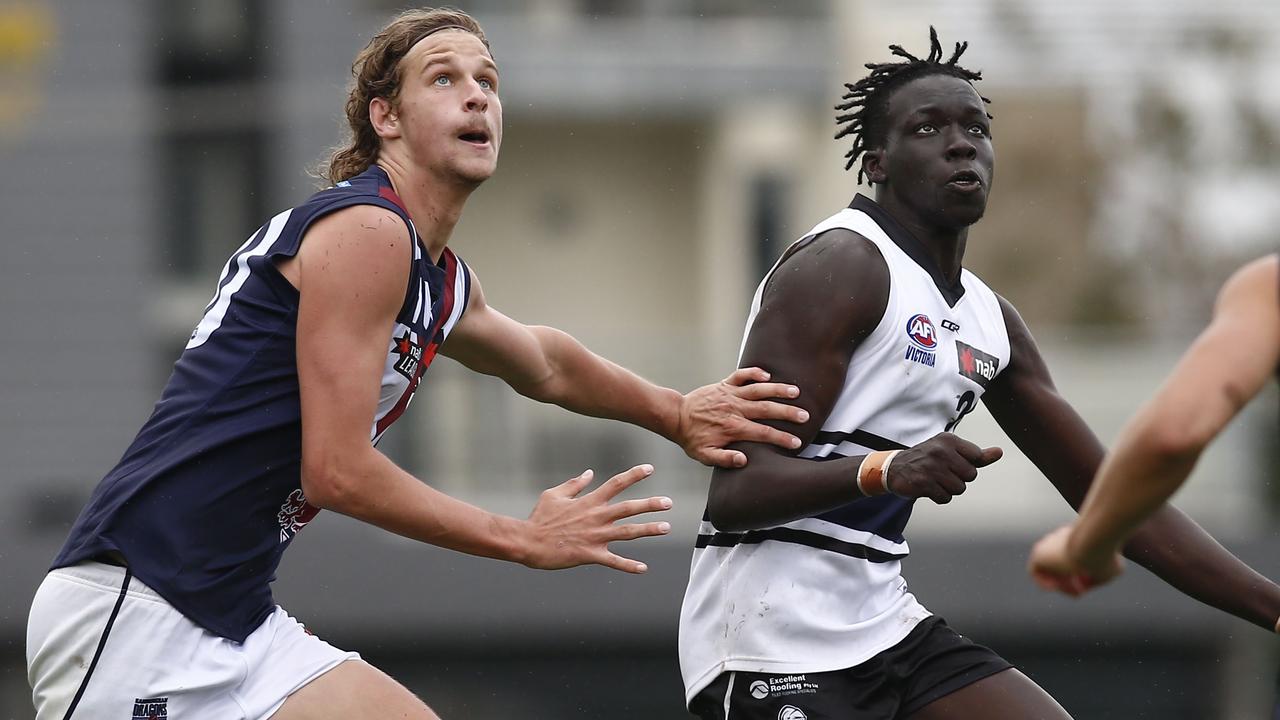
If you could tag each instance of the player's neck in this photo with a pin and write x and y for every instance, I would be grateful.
(434, 205)
(944, 244)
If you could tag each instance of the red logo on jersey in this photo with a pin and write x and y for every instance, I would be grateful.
(410, 356)
(295, 514)
(920, 330)
(976, 365)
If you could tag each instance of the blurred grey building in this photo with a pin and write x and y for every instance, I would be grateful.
(658, 156)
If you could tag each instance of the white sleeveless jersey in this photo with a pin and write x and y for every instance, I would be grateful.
(826, 592)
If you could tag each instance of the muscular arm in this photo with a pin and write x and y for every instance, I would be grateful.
(815, 310)
(1225, 367)
(550, 366)
(1048, 430)
(820, 304)
(351, 273)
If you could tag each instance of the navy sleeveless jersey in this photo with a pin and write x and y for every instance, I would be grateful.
(209, 495)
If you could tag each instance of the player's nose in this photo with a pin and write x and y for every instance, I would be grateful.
(960, 146)
(476, 99)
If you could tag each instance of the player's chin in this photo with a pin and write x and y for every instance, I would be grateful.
(966, 210)
(475, 172)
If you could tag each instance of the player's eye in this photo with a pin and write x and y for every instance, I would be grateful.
(486, 83)
(442, 80)
(926, 129)
(979, 129)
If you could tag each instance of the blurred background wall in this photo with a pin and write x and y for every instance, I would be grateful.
(659, 154)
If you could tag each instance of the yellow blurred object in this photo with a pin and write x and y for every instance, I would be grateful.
(26, 38)
(26, 31)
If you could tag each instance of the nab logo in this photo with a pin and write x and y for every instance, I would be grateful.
(920, 330)
(976, 365)
(409, 356)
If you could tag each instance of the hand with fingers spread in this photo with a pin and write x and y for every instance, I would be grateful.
(722, 413)
(938, 468)
(568, 530)
(1054, 566)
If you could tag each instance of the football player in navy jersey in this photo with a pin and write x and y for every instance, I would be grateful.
(829, 519)
(316, 338)
(1229, 364)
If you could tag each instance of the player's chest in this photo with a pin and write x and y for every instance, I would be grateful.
(934, 345)
(418, 330)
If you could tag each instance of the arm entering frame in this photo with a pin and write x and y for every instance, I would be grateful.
(1160, 446)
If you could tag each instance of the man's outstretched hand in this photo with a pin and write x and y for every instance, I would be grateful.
(567, 530)
(726, 412)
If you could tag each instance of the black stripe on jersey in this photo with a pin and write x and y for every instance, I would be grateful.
(124, 588)
(860, 437)
(798, 537)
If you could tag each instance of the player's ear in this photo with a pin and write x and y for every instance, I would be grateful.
(384, 118)
(873, 166)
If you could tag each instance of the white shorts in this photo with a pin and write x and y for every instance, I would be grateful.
(153, 662)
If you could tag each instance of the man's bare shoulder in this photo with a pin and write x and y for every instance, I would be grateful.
(363, 223)
(836, 256)
(839, 272)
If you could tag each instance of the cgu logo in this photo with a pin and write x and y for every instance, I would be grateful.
(920, 330)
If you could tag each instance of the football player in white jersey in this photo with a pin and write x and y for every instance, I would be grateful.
(854, 644)
(1157, 450)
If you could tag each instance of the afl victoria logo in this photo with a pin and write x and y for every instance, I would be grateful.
(920, 330)
(791, 712)
(759, 689)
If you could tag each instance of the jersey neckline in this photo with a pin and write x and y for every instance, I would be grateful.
(914, 249)
(387, 191)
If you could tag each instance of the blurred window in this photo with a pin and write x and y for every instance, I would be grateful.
(207, 41)
(768, 220)
(214, 183)
(212, 132)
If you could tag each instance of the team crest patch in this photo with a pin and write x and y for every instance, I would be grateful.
(791, 712)
(923, 340)
(295, 514)
(410, 354)
(151, 709)
(976, 365)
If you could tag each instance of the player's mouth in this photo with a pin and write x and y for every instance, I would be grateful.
(965, 181)
(478, 138)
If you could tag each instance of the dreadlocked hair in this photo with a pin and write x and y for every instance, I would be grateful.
(866, 104)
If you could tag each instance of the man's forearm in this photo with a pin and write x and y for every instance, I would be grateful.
(587, 384)
(1177, 550)
(776, 488)
(1134, 481)
(372, 489)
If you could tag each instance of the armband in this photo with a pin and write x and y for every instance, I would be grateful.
(873, 473)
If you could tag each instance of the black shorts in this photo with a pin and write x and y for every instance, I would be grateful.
(931, 662)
